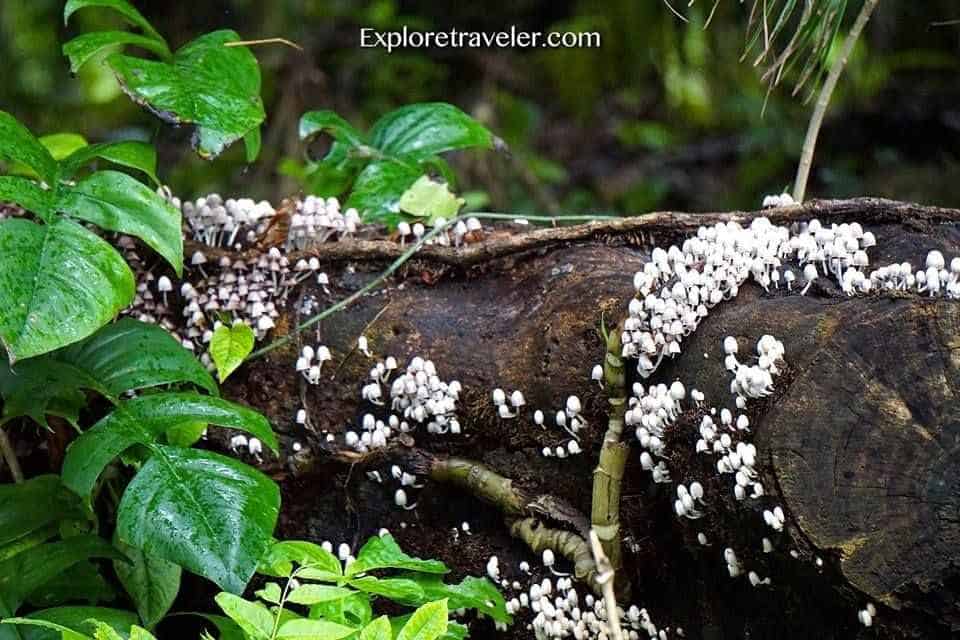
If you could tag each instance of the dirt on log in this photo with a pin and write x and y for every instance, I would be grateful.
(860, 443)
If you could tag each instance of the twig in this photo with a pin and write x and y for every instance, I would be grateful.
(604, 578)
(356, 342)
(247, 43)
(6, 448)
(823, 100)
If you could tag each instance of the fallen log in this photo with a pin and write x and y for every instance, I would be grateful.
(860, 443)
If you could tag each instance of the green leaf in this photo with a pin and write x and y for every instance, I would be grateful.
(40, 386)
(128, 355)
(379, 629)
(377, 190)
(24, 573)
(60, 630)
(186, 434)
(210, 514)
(229, 347)
(80, 583)
(76, 618)
(129, 153)
(426, 129)
(29, 541)
(455, 630)
(33, 505)
(471, 593)
(251, 143)
(85, 47)
(115, 201)
(103, 631)
(315, 122)
(127, 10)
(310, 594)
(271, 593)
(382, 552)
(58, 284)
(152, 583)
(430, 199)
(19, 145)
(353, 610)
(61, 145)
(305, 629)
(212, 86)
(316, 563)
(144, 420)
(427, 623)
(397, 589)
(26, 193)
(253, 618)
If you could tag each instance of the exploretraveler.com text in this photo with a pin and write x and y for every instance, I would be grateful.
(457, 39)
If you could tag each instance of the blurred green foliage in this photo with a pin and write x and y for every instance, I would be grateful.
(662, 115)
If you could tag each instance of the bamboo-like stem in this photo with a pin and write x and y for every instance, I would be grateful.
(607, 477)
(566, 543)
(6, 448)
(823, 99)
(482, 482)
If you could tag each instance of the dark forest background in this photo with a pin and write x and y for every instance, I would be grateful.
(662, 115)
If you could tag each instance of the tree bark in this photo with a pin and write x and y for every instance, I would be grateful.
(860, 444)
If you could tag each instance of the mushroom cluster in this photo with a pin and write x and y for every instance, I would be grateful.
(222, 223)
(317, 220)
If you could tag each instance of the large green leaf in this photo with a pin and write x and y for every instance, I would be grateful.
(26, 193)
(128, 355)
(144, 420)
(305, 629)
(399, 590)
(211, 514)
(129, 153)
(60, 631)
(115, 201)
(124, 8)
(60, 145)
(58, 284)
(24, 573)
(426, 129)
(207, 84)
(315, 562)
(19, 145)
(76, 618)
(229, 347)
(34, 504)
(152, 583)
(85, 47)
(471, 593)
(383, 552)
(429, 622)
(253, 618)
(377, 190)
(42, 386)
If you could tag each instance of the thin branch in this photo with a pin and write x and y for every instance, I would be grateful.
(248, 43)
(823, 100)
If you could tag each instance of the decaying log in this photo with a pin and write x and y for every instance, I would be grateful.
(860, 442)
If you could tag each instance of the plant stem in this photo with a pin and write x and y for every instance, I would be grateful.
(6, 448)
(823, 99)
(605, 504)
(605, 577)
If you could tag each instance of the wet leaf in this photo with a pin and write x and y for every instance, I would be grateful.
(152, 583)
(58, 284)
(429, 622)
(115, 201)
(84, 48)
(471, 593)
(382, 552)
(315, 562)
(60, 631)
(377, 190)
(315, 122)
(34, 504)
(80, 583)
(229, 347)
(252, 617)
(124, 8)
(129, 153)
(27, 194)
(212, 86)
(17, 144)
(210, 514)
(144, 420)
(417, 131)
